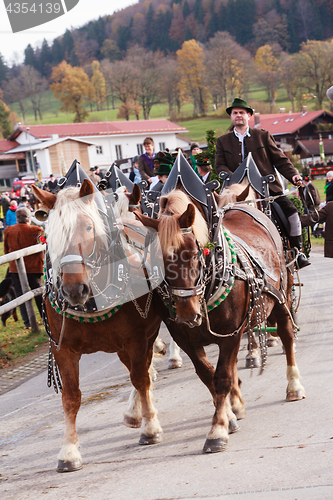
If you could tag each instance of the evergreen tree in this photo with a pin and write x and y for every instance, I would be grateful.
(29, 57)
(150, 29)
(45, 60)
(243, 20)
(68, 45)
(3, 70)
(123, 37)
(186, 9)
(58, 53)
(199, 12)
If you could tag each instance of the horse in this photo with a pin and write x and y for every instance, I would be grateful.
(125, 204)
(250, 293)
(77, 238)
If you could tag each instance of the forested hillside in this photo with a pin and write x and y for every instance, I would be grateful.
(179, 52)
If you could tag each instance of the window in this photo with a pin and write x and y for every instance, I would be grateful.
(99, 150)
(161, 145)
(139, 148)
(4, 182)
(118, 152)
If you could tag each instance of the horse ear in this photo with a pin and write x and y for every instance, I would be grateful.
(187, 218)
(147, 221)
(136, 194)
(244, 194)
(87, 189)
(45, 197)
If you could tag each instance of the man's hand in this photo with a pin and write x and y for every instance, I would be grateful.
(150, 180)
(297, 180)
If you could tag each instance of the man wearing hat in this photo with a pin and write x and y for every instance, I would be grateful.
(235, 145)
(204, 166)
(164, 169)
(52, 183)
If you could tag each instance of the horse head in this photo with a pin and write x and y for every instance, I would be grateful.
(75, 230)
(183, 261)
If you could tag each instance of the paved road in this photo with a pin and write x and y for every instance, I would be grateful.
(283, 450)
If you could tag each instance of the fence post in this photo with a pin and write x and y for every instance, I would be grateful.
(25, 288)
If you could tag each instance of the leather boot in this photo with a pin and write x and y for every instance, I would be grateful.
(297, 242)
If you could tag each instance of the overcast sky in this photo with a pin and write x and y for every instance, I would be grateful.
(12, 45)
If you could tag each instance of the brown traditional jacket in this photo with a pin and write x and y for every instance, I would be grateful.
(21, 236)
(325, 215)
(264, 151)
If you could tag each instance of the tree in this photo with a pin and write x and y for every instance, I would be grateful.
(71, 87)
(98, 84)
(33, 85)
(191, 69)
(290, 77)
(5, 125)
(29, 56)
(121, 76)
(268, 71)
(45, 59)
(3, 71)
(14, 91)
(225, 64)
(147, 84)
(107, 69)
(316, 68)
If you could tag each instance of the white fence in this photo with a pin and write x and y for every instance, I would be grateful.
(28, 294)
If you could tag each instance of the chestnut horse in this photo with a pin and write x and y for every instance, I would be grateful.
(76, 233)
(245, 302)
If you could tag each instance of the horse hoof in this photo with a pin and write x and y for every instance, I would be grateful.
(135, 423)
(252, 363)
(272, 343)
(214, 445)
(66, 466)
(161, 352)
(233, 426)
(295, 395)
(174, 363)
(156, 438)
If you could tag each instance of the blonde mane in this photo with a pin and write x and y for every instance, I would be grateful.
(121, 207)
(171, 238)
(61, 223)
(230, 193)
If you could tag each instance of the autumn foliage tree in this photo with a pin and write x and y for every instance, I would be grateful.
(71, 87)
(98, 84)
(268, 71)
(190, 59)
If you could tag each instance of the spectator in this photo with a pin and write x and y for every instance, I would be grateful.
(325, 215)
(146, 160)
(311, 193)
(163, 172)
(204, 167)
(194, 149)
(95, 179)
(135, 174)
(11, 214)
(18, 236)
(5, 203)
(52, 183)
(329, 186)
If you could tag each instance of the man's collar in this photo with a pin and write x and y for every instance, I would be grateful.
(246, 133)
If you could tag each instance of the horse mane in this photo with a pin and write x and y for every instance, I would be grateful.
(171, 238)
(232, 194)
(121, 207)
(62, 221)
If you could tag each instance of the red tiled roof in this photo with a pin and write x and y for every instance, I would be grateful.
(102, 128)
(287, 123)
(6, 145)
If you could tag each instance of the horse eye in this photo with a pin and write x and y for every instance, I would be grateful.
(89, 229)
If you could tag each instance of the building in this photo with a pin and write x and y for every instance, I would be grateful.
(52, 148)
(299, 133)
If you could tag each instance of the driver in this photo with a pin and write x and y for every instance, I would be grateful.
(235, 145)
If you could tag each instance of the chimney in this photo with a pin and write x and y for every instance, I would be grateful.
(282, 110)
(256, 119)
(54, 137)
(304, 109)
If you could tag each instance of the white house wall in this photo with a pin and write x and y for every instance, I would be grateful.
(128, 146)
(43, 159)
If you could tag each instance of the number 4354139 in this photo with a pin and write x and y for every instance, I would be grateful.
(36, 8)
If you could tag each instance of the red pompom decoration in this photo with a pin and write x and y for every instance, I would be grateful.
(42, 239)
(206, 251)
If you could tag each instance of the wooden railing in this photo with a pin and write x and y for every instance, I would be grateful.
(28, 294)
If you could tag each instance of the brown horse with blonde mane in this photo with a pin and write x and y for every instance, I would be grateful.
(76, 233)
(248, 298)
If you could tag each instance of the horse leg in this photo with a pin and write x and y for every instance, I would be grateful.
(175, 360)
(295, 391)
(69, 457)
(160, 347)
(236, 399)
(151, 431)
(252, 359)
(218, 436)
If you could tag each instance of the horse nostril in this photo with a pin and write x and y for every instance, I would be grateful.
(85, 290)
